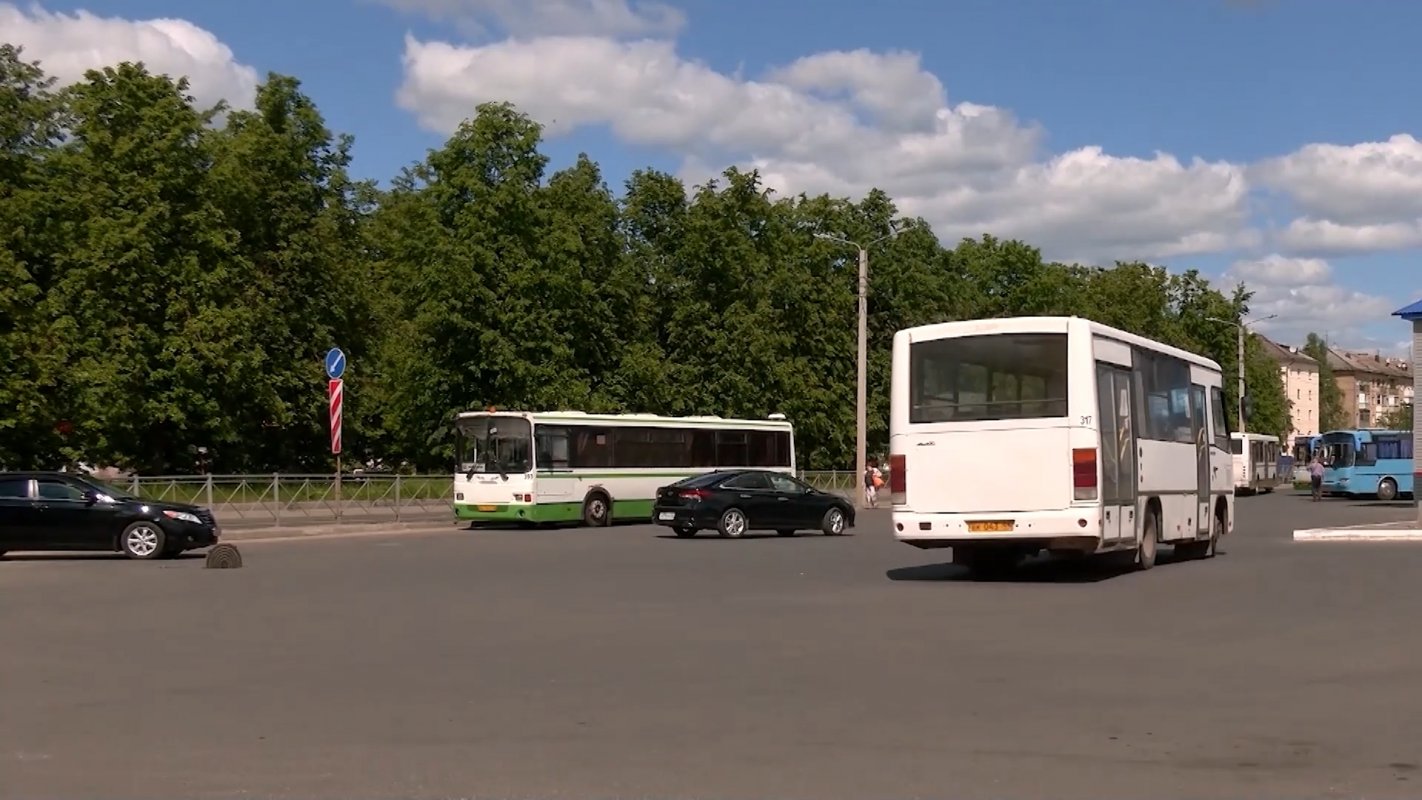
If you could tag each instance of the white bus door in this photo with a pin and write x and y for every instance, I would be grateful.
(1117, 433)
(1202, 458)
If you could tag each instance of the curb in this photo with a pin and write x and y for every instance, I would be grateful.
(246, 535)
(1358, 535)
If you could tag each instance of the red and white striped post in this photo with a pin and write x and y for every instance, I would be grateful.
(336, 397)
(336, 392)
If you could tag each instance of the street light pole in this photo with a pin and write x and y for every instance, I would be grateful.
(1241, 327)
(861, 400)
(1239, 357)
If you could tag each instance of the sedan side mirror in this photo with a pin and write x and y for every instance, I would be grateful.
(91, 497)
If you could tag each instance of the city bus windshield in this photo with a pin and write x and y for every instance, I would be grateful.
(1338, 450)
(495, 445)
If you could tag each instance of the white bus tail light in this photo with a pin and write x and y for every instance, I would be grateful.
(898, 480)
(1083, 472)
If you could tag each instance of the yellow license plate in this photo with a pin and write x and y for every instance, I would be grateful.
(991, 526)
(487, 508)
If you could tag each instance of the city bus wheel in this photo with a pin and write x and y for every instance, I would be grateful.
(596, 510)
(1387, 490)
(1145, 551)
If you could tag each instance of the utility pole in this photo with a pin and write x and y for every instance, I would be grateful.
(1241, 328)
(1240, 357)
(861, 401)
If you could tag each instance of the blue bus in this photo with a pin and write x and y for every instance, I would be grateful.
(1367, 462)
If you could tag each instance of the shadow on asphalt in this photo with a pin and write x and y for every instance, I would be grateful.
(1042, 569)
(712, 536)
(1379, 504)
(62, 555)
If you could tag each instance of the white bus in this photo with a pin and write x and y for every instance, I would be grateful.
(1256, 462)
(1013, 436)
(565, 466)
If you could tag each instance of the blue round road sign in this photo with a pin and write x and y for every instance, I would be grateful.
(335, 363)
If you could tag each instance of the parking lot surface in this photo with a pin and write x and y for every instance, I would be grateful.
(625, 663)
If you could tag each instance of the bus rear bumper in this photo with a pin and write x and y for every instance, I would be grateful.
(1069, 529)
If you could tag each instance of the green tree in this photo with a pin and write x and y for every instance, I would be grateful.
(1398, 419)
(279, 177)
(1330, 397)
(461, 233)
(145, 284)
(31, 357)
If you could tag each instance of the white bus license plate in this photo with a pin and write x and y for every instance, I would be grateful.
(667, 515)
(990, 526)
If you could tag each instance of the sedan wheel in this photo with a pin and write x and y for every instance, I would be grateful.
(733, 523)
(142, 540)
(834, 522)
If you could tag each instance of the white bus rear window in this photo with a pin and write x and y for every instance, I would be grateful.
(992, 377)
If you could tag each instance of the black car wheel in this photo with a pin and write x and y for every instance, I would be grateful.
(142, 540)
(834, 522)
(685, 533)
(733, 523)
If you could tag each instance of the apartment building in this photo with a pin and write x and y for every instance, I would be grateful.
(1300, 376)
(1372, 385)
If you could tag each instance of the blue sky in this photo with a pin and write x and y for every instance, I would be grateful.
(1249, 88)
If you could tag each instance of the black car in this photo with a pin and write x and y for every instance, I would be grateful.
(733, 502)
(63, 511)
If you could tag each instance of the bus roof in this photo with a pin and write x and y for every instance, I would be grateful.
(776, 421)
(977, 327)
(1263, 437)
(1354, 432)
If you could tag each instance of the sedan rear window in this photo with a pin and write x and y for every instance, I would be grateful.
(700, 481)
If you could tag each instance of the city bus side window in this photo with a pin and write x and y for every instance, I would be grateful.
(592, 447)
(552, 444)
(703, 449)
(1219, 423)
(1367, 455)
(732, 449)
(769, 449)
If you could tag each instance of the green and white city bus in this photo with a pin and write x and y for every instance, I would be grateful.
(564, 466)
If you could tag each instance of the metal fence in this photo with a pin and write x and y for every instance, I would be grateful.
(282, 499)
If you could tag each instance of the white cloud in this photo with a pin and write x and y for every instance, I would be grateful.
(521, 18)
(67, 45)
(1326, 237)
(1305, 297)
(846, 122)
(1352, 198)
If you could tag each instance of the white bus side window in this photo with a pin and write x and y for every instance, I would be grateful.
(1219, 425)
(552, 443)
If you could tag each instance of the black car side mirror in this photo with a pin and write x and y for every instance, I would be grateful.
(91, 497)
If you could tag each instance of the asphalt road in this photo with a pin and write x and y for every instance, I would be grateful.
(614, 663)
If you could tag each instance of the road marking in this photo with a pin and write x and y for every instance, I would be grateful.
(1358, 535)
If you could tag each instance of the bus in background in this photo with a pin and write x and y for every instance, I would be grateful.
(1304, 448)
(1367, 462)
(1012, 436)
(1256, 462)
(566, 466)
